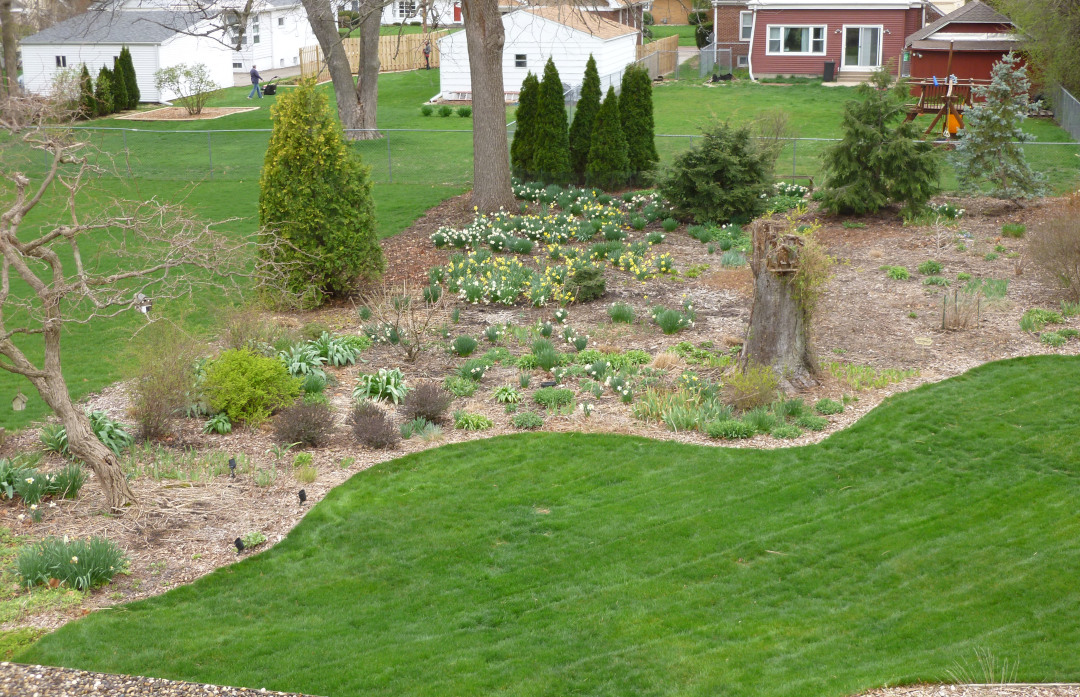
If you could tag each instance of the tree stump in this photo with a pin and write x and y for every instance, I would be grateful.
(778, 336)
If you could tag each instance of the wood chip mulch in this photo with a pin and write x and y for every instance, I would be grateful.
(1004, 690)
(17, 680)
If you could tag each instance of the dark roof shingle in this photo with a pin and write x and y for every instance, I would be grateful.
(975, 12)
(116, 27)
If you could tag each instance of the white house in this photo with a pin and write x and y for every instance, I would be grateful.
(159, 38)
(567, 35)
(443, 13)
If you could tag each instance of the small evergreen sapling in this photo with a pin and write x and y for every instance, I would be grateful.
(87, 105)
(103, 96)
(119, 85)
(608, 165)
(990, 148)
(524, 144)
(881, 159)
(316, 193)
(636, 112)
(584, 117)
(129, 75)
(551, 158)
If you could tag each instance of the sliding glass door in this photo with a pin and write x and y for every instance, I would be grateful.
(862, 47)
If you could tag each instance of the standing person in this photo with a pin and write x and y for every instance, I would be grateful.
(255, 83)
(427, 55)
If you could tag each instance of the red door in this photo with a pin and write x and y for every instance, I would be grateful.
(457, 11)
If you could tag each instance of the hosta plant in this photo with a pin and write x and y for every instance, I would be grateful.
(385, 384)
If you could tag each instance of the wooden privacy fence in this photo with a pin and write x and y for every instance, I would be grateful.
(668, 48)
(398, 52)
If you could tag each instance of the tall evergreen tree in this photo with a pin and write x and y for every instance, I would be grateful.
(103, 96)
(990, 148)
(316, 193)
(119, 85)
(636, 111)
(581, 128)
(881, 158)
(608, 165)
(524, 145)
(86, 94)
(129, 75)
(551, 158)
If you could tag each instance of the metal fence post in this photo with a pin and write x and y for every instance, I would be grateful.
(389, 160)
(210, 152)
(794, 151)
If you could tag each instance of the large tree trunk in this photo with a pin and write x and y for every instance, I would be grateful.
(779, 332)
(367, 74)
(7, 34)
(354, 112)
(491, 153)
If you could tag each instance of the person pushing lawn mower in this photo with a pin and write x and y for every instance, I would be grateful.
(255, 78)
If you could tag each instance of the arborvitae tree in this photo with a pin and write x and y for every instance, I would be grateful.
(131, 80)
(119, 85)
(608, 166)
(524, 145)
(86, 94)
(103, 96)
(881, 158)
(551, 158)
(316, 194)
(582, 126)
(990, 147)
(636, 110)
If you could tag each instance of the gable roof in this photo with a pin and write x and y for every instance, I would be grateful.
(582, 20)
(120, 27)
(975, 12)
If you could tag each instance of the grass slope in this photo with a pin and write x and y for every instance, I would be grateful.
(943, 522)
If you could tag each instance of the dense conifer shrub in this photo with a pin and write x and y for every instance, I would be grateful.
(551, 158)
(636, 112)
(608, 165)
(524, 144)
(584, 116)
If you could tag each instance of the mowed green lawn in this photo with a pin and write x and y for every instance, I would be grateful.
(942, 523)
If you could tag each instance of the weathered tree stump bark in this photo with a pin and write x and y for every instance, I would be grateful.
(778, 336)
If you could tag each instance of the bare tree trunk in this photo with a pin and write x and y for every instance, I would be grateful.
(355, 114)
(779, 332)
(491, 154)
(7, 34)
(367, 86)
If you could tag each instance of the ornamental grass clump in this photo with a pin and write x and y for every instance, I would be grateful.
(78, 564)
(463, 346)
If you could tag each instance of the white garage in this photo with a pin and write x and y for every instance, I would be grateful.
(563, 33)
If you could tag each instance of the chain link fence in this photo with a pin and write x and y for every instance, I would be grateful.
(1068, 113)
(420, 157)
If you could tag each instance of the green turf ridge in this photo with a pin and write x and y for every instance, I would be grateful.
(942, 523)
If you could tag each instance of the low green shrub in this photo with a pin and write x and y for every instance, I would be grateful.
(897, 273)
(464, 111)
(828, 406)
(940, 281)
(672, 321)
(587, 284)
(249, 387)
(252, 539)
(473, 369)
(812, 422)
(460, 387)
(786, 431)
(527, 420)
(930, 268)
(621, 313)
(464, 345)
(1015, 230)
(445, 111)
(507, 394)
(219, 424)
(427, 110)
(761, 419)
(79, 564)
(729, 429)
(751, 388)
(466, 421)
(1035, 319)
(554, 397)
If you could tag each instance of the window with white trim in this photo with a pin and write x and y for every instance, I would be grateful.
(237, 35)
(255, 29)
(742, 62)
(281, 21)
(238, 65)
(61, 61)
(806, 41)
(406, 8)
(746, 26)
(521, 60)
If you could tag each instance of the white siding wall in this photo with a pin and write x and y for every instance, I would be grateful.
(442, 9)
(191, 50)
(288, 38)
(537, 39)
(39, 64)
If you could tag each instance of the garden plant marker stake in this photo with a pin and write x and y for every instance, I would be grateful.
(239, 545)
(303, 496)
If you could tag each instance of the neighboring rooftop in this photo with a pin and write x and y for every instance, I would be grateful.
(582, 21)
(116, 27)
(975, 12)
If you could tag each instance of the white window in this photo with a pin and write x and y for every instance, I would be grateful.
(61, 61)
(238, 65)
(521, 60)
(281, 21)
(406, 8)
(746, 26)
(807, 41)
(255, 29)
(237, 35)
(741, 62)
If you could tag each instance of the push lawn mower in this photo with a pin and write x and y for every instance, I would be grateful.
(270, 88)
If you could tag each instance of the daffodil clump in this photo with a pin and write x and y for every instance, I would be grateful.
(482, 278)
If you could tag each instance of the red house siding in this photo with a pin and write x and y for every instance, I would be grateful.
(965, 64)
(893, 22)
